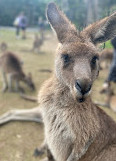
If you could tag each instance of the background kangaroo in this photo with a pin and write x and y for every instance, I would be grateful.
(105, 58)
(3, 46)
(38, 41)
(11, 69)
(75, 128)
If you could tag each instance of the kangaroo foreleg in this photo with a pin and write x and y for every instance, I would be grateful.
(41, 150)
(21, 115)
(76, 154)
(49, 156)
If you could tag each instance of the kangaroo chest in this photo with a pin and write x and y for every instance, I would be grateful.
(65, 127)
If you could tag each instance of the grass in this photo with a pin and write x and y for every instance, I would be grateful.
(108, 45)
(18, 140)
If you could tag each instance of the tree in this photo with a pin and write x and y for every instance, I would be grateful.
(81, 12)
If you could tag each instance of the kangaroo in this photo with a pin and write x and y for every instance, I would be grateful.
(37, 42)
(75, 128)
(106, 57)
(11, 69)
(3, 46)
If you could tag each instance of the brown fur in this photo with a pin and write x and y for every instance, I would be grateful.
(11, 63)
(11, 66)
(3, 46)
(75, 128)
(106, 57)
(38, 41)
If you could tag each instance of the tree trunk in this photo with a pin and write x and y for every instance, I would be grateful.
(92, 11)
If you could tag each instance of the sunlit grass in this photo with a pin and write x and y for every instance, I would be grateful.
(108, 44)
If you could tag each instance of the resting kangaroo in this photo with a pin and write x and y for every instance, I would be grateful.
(75, 128)
(11, 69)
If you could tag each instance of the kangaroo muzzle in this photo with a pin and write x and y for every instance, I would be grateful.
(83, 87)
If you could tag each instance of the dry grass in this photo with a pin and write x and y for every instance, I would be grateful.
(18, 139)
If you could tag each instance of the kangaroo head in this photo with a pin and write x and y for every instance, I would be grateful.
(77, 60)
(29, 81)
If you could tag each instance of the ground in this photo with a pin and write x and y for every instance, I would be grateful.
(19, 139)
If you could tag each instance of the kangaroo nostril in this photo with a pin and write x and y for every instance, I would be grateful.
(78, 86)
(83, 86)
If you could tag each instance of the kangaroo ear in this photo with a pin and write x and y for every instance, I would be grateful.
(59, 22)
(102, 30)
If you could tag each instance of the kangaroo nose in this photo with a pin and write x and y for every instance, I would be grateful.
(83, 86)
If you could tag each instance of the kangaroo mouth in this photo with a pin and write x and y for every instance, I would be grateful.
(81, 100)
(78, 96)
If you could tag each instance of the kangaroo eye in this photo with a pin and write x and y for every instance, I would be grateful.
(93, 61)
(66, 58)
